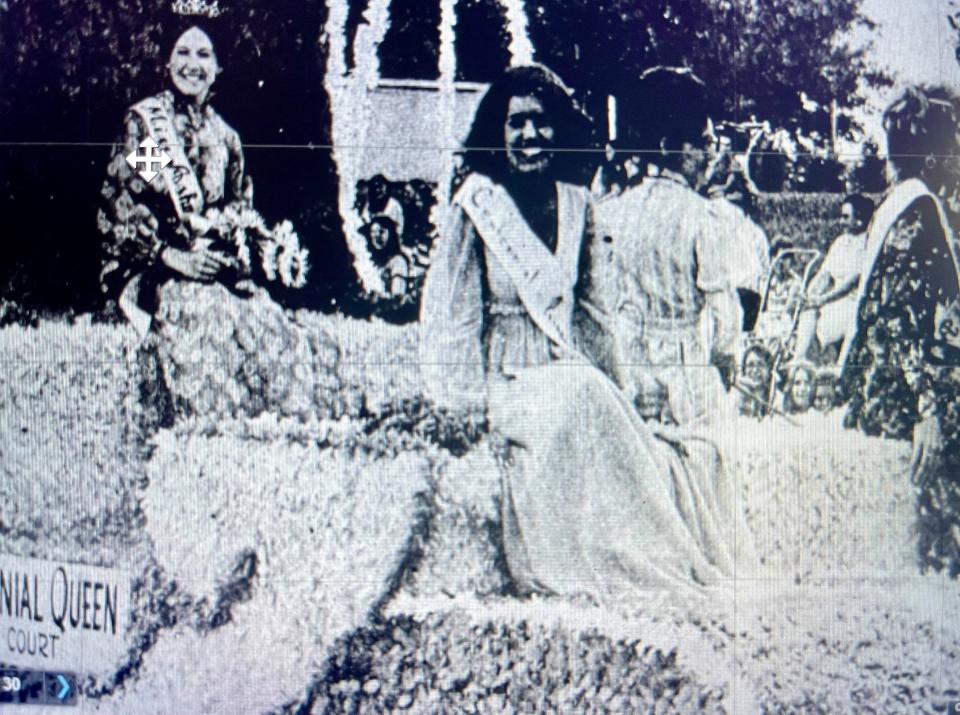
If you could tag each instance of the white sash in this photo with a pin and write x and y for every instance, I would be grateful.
(181, 180)
(182, 184)
(543, 282)
(883, 222)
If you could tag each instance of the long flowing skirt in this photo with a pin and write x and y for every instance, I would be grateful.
(597, 503)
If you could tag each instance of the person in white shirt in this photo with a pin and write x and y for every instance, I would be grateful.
(830, 301)
(678, 257)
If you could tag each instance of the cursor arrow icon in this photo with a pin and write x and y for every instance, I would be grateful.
(148, 160)
(64, 688)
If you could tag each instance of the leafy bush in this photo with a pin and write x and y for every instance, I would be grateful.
(808, 220)
(448, 662)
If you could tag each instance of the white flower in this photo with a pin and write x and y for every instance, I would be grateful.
(293, 267)
(269, 251)
(283, 258)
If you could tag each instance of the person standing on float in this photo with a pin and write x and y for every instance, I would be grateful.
(679, 256)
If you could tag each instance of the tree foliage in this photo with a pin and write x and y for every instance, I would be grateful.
(755, 55)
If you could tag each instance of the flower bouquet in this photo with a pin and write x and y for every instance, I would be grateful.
(266, 255)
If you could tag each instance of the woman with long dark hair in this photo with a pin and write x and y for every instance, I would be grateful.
(153, 210)
(595, 501)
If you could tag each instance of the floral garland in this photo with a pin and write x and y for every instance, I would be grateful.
(276, 252)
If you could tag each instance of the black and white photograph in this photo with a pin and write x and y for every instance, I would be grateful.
(479, 356)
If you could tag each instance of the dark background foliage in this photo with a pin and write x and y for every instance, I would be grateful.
(70, 69)
(755, 57)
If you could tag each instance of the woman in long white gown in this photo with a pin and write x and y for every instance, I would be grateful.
(595, 501)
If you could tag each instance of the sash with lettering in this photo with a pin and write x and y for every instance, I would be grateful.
(947, 318)
(543, 279)
(181, 181)
(182, 186)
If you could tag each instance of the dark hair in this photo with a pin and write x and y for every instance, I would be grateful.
(781, 244)
(789, 406)
(759, 350)
(921, 129)
(219, 30)
(391, 247)
(483, 149)
(863, 206)
(825, 379)
(668, 106)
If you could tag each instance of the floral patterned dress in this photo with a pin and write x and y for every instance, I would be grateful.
(894, 377)
(138, 219)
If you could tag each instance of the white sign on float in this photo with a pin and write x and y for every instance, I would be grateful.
(62, 616)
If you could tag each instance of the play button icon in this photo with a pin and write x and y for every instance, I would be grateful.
(65, 688)
(61, 688)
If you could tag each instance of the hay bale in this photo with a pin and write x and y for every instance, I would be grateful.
(379, 362)
(460, 541)
(821, 500)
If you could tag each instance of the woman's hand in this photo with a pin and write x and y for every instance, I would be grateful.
(927, 447)
(648, 395)
(199, 264)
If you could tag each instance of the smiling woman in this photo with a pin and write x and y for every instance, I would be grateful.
(193, 64)
(152, 228)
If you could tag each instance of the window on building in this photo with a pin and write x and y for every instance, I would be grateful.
(481, 43)
(411, 48)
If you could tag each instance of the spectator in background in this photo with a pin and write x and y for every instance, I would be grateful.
(824, 392)
(384, 243)
(786, 280)
(798, 394)
(830, 302)
(754, 381)
(725, 176)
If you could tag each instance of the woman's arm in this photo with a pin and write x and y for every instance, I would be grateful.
(594, 317)
(831, 291)
(239, 186)
(451, 319)
(128, 222)
(722, 318)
